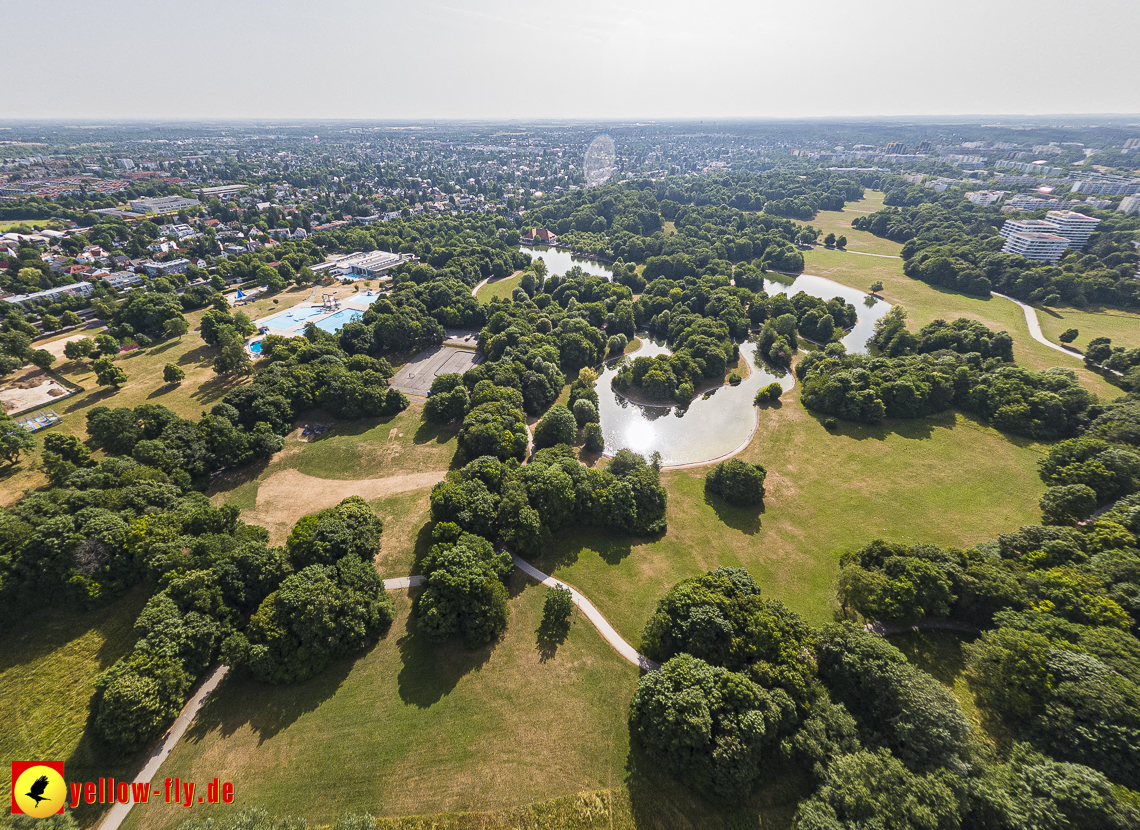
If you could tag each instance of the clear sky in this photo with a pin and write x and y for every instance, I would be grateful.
(423, 59)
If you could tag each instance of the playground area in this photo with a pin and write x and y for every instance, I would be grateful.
(30, 389)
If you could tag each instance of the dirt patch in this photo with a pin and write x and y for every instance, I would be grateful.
(30, 390)
(286, 496)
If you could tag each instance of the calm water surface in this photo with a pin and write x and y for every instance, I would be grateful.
(559, 261)
(711, 427)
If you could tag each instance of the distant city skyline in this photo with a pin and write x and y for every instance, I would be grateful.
(509, 59)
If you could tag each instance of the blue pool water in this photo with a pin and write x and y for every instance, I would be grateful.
(293, 318)
(336, 322)
(255, 347)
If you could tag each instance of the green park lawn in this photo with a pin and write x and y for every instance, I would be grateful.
(48, 665)
(1121, 326)
(925, 303)
(416, 727)
(838, 222)
(946, 480)
(35, 224)
(502, 289)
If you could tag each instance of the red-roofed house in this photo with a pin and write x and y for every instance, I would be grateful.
(540, 236)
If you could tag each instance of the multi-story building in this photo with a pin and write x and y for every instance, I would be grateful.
(161, 269)
(162, 204)
(985, 198)
(1048, 247)
(1122, 187)
(1013, 226)
(1075, 227)
(1130, 204)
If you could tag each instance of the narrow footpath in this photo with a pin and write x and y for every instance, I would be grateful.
(162, 751)
(1035, 327)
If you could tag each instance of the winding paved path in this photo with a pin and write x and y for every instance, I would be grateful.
(162, 751)
(190, 710)
(1035, 327)
(592, 614)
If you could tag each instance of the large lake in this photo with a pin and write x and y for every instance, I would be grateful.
(559, 261)
(717, 425)
(705, 429)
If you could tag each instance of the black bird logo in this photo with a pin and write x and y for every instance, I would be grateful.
(37, 790)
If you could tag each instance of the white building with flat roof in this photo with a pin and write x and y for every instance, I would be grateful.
(1013, 226)
(985, 198)
(1048, 247)
(1075, 227)
(162, 204)
(1130, 204)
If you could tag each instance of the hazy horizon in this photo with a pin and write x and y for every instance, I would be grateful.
(506, 60)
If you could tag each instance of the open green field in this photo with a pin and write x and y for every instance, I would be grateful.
(7, 224)
(415, 727)
(1121, 326)
(839, 223)
(398, 457)
(945, 480)
(501, 289)
(925, 303)
(48, 665)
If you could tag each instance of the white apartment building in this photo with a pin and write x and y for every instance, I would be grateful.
(1013, 226)
(1076, 227)
(985, 198)
(1048, 247)
(1130, 204)
(162, 204)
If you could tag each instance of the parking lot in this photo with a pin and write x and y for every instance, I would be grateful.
(415, 378)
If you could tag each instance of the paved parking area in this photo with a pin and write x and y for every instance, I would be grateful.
(415, 378)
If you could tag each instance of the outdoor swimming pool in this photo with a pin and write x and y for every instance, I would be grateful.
(255, 347)
(293, 318)
(336, 322)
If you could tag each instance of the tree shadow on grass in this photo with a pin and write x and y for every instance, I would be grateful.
(916, 429)
(422, 547)
(165, 347)
(745, 519)
(213, 389)
(202, 354)
(427, 432)
(265, 708)
(232, 479)
(162, 390)
(564, 549)
(431, 670)
(549, 636)
(84, 401)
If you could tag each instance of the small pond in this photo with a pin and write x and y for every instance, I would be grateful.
(559, 261)
(868, 308)
(707, 428)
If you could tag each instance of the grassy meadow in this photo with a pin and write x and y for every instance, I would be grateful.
(501, 289)
(48, 664)
(946, 480)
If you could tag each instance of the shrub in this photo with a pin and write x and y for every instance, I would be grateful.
(558, 426)
(737, 482)
(595, 442)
